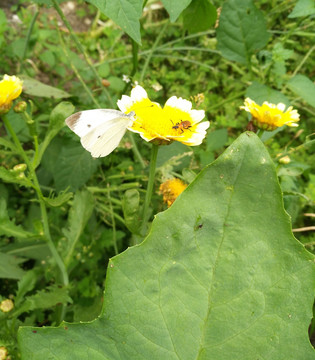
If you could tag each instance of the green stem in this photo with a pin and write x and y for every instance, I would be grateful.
(28, 36)
(54, 252)
(80, 47)
(149, 191)
(135, 150)
(260, 133)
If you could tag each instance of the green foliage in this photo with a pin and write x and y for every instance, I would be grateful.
(211, 259)
(303, 87)
(303, 8)
(200, 15)
(64, 215)
(242, 30)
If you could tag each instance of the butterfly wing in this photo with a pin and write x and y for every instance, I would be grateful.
(100, 130)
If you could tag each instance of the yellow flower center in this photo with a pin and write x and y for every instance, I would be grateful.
(160, 123)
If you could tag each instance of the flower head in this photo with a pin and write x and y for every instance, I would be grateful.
(3, 353)
(6, 305)
(10, 89)
(171, 189)
(270, 116)
(175, 121)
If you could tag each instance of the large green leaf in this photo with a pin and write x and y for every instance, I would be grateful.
(242, 30)
(125, 13)
(219, 276)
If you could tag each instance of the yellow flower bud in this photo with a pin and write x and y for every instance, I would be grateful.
(6, 305)
(20, 107)
(285, 160)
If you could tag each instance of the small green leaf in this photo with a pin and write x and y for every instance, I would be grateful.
(303, 87)
(9, 268)
(303, 8)
(80, 213)
(44, 299)
(175, 7)
(36, 88)
(8, 227)
(38, 250)
(242, 30)
(200, 15)
(60, 199)
(130, 205)
(125, 13)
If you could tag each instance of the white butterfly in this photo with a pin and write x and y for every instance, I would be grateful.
(100, 130)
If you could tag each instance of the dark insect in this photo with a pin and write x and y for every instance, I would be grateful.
(183, 125)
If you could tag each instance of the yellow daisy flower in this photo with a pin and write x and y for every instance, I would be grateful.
(175, 121)
(10, 89)
(171, 189)
(270, 116)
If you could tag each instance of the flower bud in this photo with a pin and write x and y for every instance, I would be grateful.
(285, 160)
(6, 305)
(20, 168)
(20, 107)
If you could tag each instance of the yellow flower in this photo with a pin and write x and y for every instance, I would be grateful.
(171, 189)
(175, 121)
(270, 116)
(10, 89)
(3, 353)
(6, 305)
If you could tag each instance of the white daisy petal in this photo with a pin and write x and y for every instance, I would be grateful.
(124, 103)
(197, 115)
(179, 103)
(138, 93)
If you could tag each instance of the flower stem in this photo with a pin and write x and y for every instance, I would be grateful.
(260, 133)
(148, 194)
(135, 150)
(53, 250)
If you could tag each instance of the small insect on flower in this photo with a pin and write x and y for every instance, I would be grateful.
(183, 125)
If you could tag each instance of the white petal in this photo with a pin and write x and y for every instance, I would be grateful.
(124, 103)
(281, 106)
(138, 93)
(197, 115)
(179, 103)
